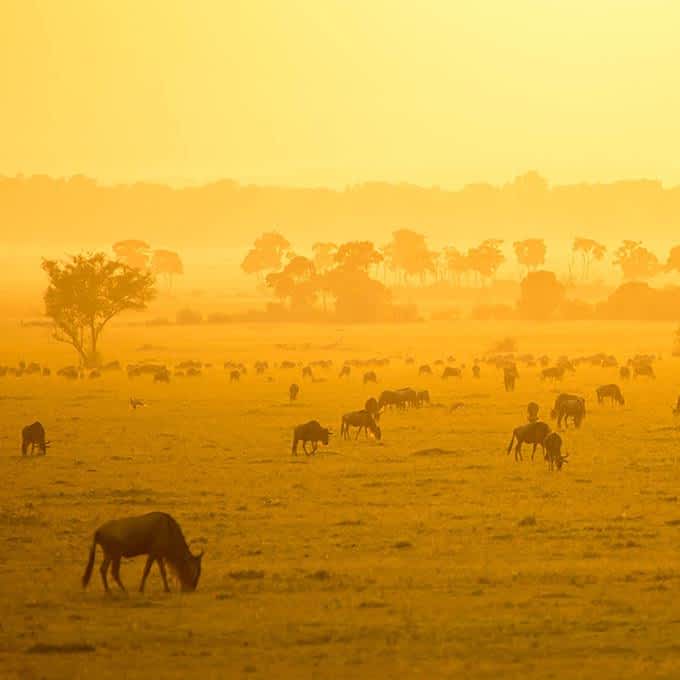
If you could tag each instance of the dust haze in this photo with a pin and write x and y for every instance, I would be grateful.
(339, 340)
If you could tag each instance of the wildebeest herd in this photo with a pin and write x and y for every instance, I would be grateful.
(159, 537)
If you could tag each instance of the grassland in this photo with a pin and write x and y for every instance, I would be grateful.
(428, 554)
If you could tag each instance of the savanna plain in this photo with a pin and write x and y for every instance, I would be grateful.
(429, 553)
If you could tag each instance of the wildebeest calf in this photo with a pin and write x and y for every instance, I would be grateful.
(552, 446)
(569, 406)
(451, 372)
(370, 376)
(531, 433)
(34, 434)
(234, 376)
(310, 432)
(155, 534)
(293, 391)
(362, 420)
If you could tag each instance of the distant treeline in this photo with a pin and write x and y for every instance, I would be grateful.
(225, 213)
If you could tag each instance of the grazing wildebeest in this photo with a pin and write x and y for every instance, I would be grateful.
(451, 372)
(475, 371)
(345, 372)
(136, 403)
(46, 372)
(425, 370)
(390, 398)
(552, 446)
(372, 407)
(34, 434)
(370, 376)
(611, 392)
(156, 535)
(569, 406)
(510, 375)
(261, 367)
(310, 432)
(287, 364)
(624, 373)
(645, 370)
(69, 372)
(293, 391)
(307, 372)
(555, 373)
(423, 397)
(407, 397)
(234, 376)
(194, 372)
(531, 433)
(532, 411)
(409, 361)
(362, 420)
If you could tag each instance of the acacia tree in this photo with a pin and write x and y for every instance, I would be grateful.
(636, 261)
(410, 254)
(133, 253)
(85, 292)
(530, 253)
(457, 263)
(166, 262)
(589, 250)
(486, 258)
(266, 254)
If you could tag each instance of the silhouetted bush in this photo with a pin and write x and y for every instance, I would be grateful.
(186, 317)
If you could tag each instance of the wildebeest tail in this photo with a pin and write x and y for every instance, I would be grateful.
(90, 563)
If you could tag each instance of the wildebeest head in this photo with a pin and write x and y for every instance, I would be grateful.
(192, 567)
(560, 459)
(325, 435)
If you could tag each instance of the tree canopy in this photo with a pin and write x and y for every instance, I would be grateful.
(88, 290)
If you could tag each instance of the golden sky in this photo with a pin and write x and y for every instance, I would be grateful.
(336, 91)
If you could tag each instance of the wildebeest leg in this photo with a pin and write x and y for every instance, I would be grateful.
(115, 572)
(103, 569)
(315, 446)
(161, 566)
(533, 451)
(518, 450)
(304, 447)
(147, 568)
(358, 433)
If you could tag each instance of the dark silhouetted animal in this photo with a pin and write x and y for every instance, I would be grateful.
(307, 372)
(555, 373)
(552, 447)
(676, 410)
(310, 432)
(234, 376)
(425, 370)
(372, 407)
(362, 420)
(624, 373)
(423, 397)
(644, 370)
(34, 435)
(569, 406)
(370, 376)
(293, 391)
(611, 392)
(475, 371)
(345, 372)
(136, 403)
(450, 372)
(510, 375)
(407, 397)
(155, 534)
(531, 433)
(532, 411)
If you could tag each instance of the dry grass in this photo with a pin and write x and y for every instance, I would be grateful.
(430, 553)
